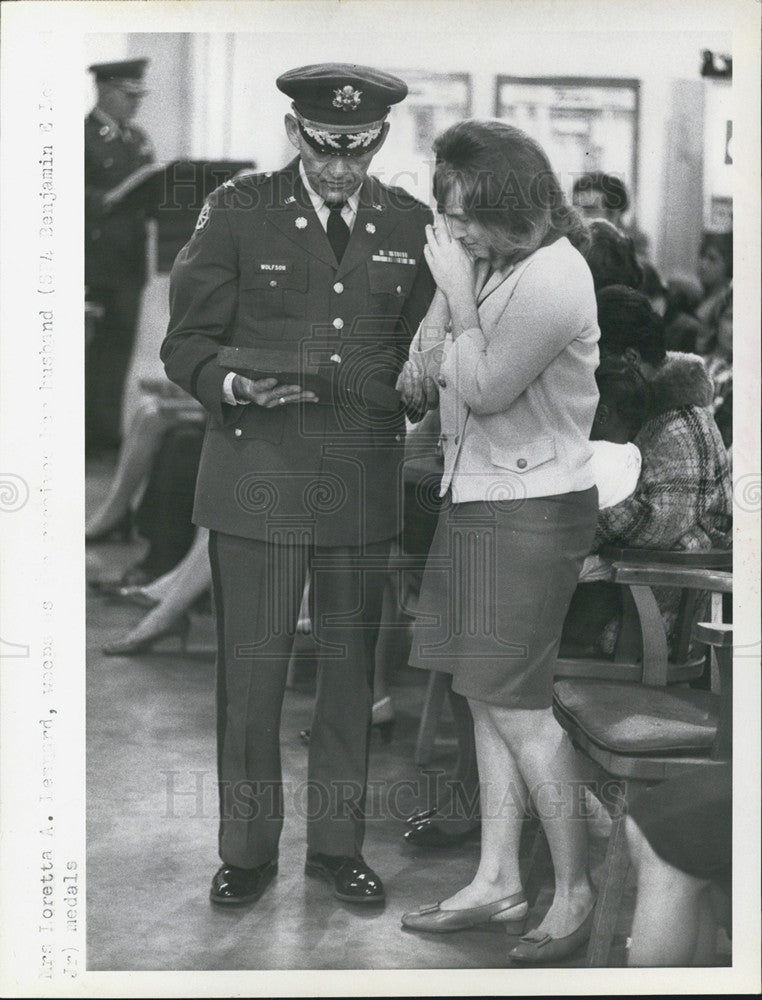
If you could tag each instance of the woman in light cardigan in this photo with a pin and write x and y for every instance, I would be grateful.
(508, 350)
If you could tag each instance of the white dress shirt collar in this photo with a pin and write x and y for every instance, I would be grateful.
(348, 212)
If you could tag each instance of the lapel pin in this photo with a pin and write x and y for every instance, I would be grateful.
(379, 208)
(369, 227)
(290, 200)
(301, 222)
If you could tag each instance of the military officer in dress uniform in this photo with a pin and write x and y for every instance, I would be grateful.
(321, 265)
(115, 242)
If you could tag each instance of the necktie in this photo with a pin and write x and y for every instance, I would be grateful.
(337, 231)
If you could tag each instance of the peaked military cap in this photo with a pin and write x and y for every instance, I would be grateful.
(128, 74)
(341, 107)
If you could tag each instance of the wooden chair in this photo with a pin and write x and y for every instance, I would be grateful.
(642, 650)
(639, 733)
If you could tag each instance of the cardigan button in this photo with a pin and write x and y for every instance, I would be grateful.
(442, 382)
(521, 463)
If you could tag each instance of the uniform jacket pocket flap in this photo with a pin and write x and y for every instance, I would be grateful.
(274, 274)
(390, 279)
(525, 457)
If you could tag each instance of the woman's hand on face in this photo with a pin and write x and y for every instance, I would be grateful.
(419, 392)
(449, 262)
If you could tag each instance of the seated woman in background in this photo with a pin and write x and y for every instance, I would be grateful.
(511, 338)
(680, 839)
(683, 499)
(157, 463)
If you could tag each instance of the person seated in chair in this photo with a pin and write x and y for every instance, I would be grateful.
(683, 499)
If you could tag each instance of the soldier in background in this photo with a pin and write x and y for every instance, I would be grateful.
(115, 243)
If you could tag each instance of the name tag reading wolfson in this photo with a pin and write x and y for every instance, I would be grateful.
(274, 265)
(393, 257)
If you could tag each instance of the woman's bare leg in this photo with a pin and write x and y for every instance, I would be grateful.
(135, 457)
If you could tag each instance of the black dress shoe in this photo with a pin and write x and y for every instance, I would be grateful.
(352, 880)
(234, 886)
(430, 833)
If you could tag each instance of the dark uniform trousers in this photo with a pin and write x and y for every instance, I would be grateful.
(115, 270)
(297, 487)
(257, 592)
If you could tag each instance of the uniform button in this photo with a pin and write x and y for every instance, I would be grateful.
(442, 382)
(397, 437)
(273, 283)
(108, 162)
(399, 289)
(521, 463)
(238, 432)
(338, 323)
(338, 288)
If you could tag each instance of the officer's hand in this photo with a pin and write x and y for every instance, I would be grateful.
(419, 392)
(266, 392)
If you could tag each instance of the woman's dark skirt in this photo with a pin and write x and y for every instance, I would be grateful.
(497, 586)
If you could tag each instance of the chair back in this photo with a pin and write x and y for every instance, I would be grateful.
(642, 652)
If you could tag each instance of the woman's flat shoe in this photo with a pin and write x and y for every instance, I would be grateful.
(133, 647)
(133, 595)
(435, 920)
(535, 947)
(430, 833)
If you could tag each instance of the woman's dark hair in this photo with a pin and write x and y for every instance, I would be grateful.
(652, 285)
(611, 187)
(627, 320)
(723, 244)
(611, 256)
(506, 185)
(624, 390)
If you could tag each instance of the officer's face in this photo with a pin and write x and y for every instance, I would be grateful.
(119, 104)
(334, 178)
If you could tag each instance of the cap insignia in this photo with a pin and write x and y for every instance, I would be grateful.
(347, 98)
(301, 222)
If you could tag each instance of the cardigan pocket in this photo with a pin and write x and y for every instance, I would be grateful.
(524, 457)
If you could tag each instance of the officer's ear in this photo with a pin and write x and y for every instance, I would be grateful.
(383, 137)
(292, 131)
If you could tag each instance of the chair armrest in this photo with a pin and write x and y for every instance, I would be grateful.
(662, 575)
(703, 559)
(712, 634)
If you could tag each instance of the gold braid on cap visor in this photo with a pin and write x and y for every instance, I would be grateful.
(332, 135)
